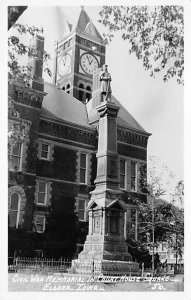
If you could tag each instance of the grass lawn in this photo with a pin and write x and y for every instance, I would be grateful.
(79, 283)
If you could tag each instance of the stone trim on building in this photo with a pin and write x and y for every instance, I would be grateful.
(25, 95)
(66, 132)
(85, 84)
(19, 190)
(131, 138)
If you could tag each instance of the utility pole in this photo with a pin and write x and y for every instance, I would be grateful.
(176, 253)
(153, 238)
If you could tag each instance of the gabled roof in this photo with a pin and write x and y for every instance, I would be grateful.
(61, 106)
(94, 203)
(124, 118)
(84, 24)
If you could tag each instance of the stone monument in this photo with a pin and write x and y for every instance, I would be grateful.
(105, 242)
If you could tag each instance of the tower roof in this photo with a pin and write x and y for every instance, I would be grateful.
(84, 24)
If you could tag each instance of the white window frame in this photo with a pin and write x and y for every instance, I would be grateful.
(86, 154)
(46, 189)
(48, 152)
(18, 211)
(125, 174)
(44, 219)
(135, 177)
(20, 156)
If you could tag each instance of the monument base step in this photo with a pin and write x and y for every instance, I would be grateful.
(105, 267)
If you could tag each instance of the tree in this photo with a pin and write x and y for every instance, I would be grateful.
(178, 196)
(20, 72)
(160, 213)
(155, 35)
(159, 220)
(17, 49)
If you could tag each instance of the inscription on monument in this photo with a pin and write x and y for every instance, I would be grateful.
(97, 224)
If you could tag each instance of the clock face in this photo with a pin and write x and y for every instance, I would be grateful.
(64, 65)
(89, 63)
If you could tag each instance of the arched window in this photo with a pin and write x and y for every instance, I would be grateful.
(88, 93)
(68, 88)
(14, 210)
(81, 86)
(81, 93)
(63, 88)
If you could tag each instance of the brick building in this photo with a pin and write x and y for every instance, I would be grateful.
(52, 166)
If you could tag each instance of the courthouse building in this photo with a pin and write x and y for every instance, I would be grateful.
(52, 166)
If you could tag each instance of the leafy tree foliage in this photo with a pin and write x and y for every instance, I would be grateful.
(159, 215)
(168, 221)
(155, 35)
(19, 71)
(17, 49)
(178, 196)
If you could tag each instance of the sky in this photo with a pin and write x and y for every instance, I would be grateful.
(156, 105)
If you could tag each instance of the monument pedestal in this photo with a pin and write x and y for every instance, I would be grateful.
(105, 250)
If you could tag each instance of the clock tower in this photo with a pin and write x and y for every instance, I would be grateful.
(78, 54)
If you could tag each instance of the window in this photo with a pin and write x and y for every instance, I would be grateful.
(45, 150)
(88, 93)
(68, 88)
(42, 192)
(82, 210)
(14, 210)
(133, 176)
(83, 166)
(15, 157)
(81, 93)
(40, 223)
(81, 86)
(122, 174)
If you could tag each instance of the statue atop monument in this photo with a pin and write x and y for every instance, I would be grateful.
(105, 79)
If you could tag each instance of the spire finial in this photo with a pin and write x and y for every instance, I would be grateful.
(82, 7)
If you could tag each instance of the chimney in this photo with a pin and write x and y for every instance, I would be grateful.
(35, 61)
